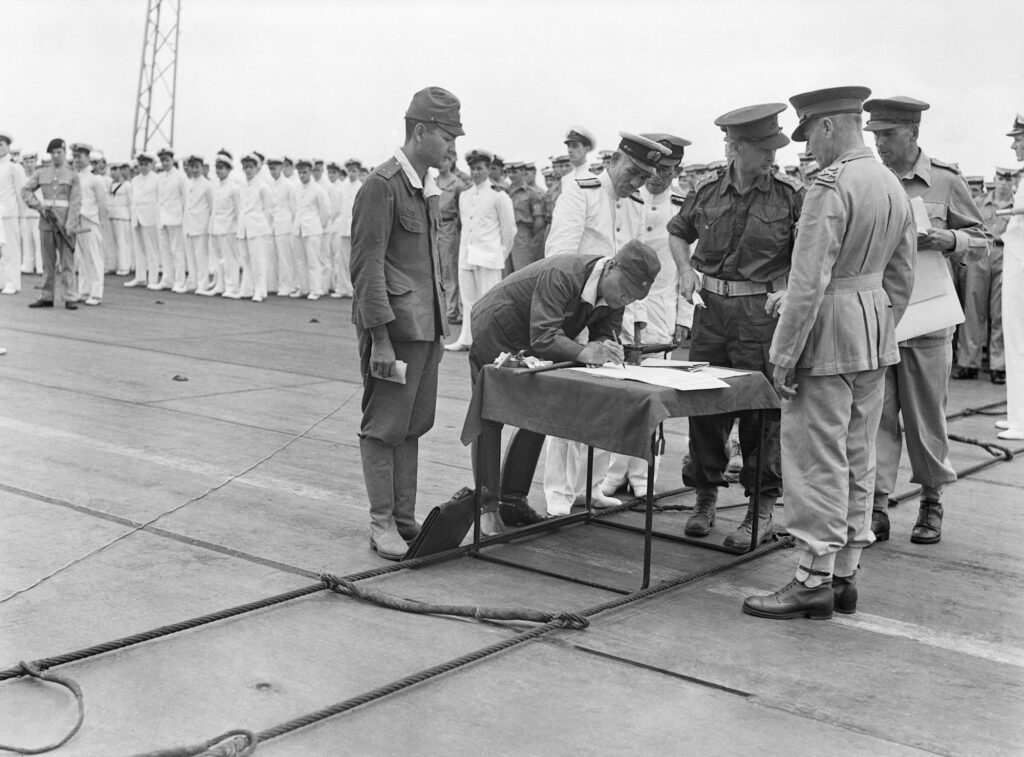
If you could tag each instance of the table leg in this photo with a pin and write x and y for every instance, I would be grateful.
(590, 479)
(755, 504)
(477, 495)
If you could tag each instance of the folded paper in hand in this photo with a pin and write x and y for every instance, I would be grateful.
(399, 375)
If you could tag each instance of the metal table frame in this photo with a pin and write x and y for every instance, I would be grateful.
(589, 517)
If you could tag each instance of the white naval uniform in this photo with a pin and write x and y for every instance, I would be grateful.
(662, 310)
(332, 245)
(172, 192)
(109, 246)
(349, 190)
(196, 226)
(312, 213)
(89, 239)
(31, 249)
(255, 216)
(588, 218)
(145, 221)
(12, 179)
(119, 211)
(282, 192)
(1013, 318)
(223, 246)
(488, 231)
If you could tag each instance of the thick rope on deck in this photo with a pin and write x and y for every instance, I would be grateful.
(237, 743)
(996, 450)
(563, 621)
(349, 588)
(33, 670)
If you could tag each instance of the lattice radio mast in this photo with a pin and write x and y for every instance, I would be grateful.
(158, 76)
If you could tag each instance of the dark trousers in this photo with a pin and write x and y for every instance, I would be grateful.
(393, 413)
(733, 332)
(55, 252)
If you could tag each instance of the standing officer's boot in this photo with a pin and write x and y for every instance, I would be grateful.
(703, 518)
(406, 466)
(379, 474)
(928, 529)
(740, 538)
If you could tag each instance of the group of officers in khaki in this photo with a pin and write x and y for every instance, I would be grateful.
(803, 283)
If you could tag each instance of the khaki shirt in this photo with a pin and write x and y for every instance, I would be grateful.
(852, 271)
(61, 192)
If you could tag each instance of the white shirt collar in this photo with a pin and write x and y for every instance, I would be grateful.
(589, 293)
(428, 187)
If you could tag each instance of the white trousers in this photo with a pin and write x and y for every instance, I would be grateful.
(31, 251)
(565, 473)
(623, 469)
(253, 253)
(10, 263)
(197, 261)
(284, 256)
(314, 247)
(172, 255)
(109, 247)
(226, 278)
(341, 256)
(474, 283)
(122, 243)
(89, 261)
(1013, 325)
(147, 254)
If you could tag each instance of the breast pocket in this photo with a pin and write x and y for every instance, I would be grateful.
(769, 228)
(714, 233)
(938, 213)
(412, 223)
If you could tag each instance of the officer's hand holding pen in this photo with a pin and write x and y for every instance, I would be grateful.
(596, 354)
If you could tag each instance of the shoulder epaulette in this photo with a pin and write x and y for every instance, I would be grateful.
(635, 197)
(678, 199)
(498, 187)
(589, 182)
(828, 176)
(781, 177)
(948, 166)
(388, 168)
(706, 179)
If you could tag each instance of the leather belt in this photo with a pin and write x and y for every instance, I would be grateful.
(55, 203)
(742, 288)
(862, 283)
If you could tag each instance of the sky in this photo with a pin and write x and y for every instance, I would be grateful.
(332, 78)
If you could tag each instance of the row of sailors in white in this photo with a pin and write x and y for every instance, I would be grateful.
(598, 215)
(240, 239)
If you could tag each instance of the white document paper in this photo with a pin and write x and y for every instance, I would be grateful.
(722, 373)
(661, 362)
(399, 375)
(933, 301)
(921, 219)
(683, 381)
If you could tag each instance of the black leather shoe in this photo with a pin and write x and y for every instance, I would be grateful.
(515, 511)
(960, 373)
(41, 304)
(928, 529)
(794, 600)
(844, 591)
(71, 305)
(880, 525)
(997, 377)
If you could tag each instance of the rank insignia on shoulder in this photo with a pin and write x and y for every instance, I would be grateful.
(828, 175)
(589, 182)
(706, 179)
(677, 199)
(636, 198)
(795, 183)
(389, 168)
(943, 164)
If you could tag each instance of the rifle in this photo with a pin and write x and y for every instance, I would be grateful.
(58, 227)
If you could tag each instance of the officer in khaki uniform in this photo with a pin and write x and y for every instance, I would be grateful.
(917, 387)
(398, 311)
(61, 196)
(983, 295)
(745, 217)
(528, 208)
(849, 284)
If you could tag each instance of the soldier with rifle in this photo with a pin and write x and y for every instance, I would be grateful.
(58, 222)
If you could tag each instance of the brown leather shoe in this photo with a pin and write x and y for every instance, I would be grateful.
(702, 520)
(997, 377)
(41, 304)
(794, 600)
(928, 529)
(960, 373)
(844, 590)
(515, 511)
